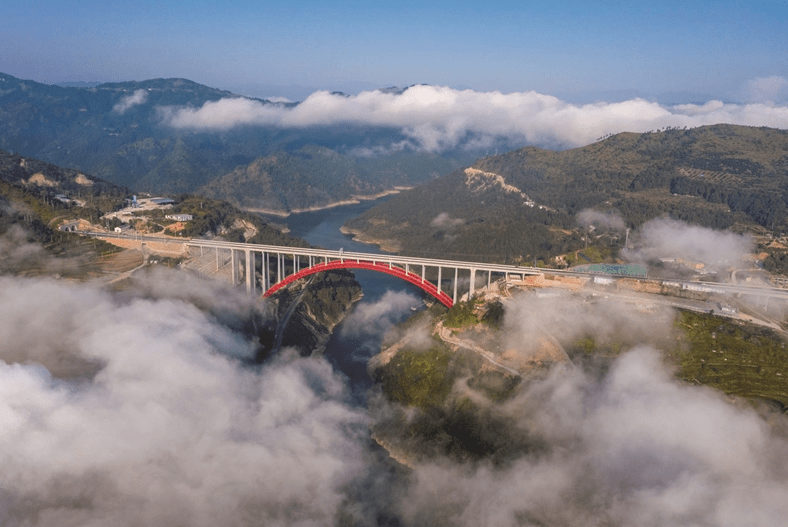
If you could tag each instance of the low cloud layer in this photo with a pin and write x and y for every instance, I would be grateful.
(138, 97)
(435, 118)
(162, 425)
(634, 448)
(667, 238)
(140, 408)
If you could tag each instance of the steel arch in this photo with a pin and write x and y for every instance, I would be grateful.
(381, 267)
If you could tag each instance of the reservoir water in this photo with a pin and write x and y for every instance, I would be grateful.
(387, 300)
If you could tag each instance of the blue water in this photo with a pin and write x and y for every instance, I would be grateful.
(348, 351)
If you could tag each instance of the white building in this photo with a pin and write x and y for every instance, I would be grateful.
(179, 217)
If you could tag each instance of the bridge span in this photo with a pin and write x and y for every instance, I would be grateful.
(271, 267)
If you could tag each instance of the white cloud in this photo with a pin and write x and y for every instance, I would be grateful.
(610, 220)
(374, 319)
(768, 89)
(138, 97)
(635, 448)
(434, 118)
(666, 238)
(161, 426)
(445, 220)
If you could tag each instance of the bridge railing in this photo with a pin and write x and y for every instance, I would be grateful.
(276, 260)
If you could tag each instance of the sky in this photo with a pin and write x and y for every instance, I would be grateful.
(579, 51)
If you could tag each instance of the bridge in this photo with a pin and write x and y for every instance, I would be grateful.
(272, 267)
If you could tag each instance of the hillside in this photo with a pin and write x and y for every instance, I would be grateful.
(522, 205)
(35, 197)
(316, 176)
(119, 132)
(444, 396)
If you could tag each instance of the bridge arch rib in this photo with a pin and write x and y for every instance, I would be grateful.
(381, 267)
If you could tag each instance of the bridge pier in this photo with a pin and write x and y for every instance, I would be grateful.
(234, 263)
(264, 272)
(473, 282)
(293, 263)
(249, 272)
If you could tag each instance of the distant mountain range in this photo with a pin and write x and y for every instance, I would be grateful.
(116, 131)
(523, 205)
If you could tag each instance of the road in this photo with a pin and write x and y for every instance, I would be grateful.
(708, 287)
(446, 336)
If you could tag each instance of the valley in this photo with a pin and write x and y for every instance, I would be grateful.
(648, 265)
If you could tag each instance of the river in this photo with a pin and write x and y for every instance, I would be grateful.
(357, 338)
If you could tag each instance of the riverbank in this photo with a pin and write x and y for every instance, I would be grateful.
(389, 246)
(354, 200)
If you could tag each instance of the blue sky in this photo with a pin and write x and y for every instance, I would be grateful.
(709, 48)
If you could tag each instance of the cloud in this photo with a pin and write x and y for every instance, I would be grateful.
(278, 99)
(668, 238)
(443, 220)
(630, 448)
(163, 425)
(138, 97)
(136, 408)
(18, 254)
(371, 321)
(532, 321)
(434, 118)
(768, 89)
(610, 220)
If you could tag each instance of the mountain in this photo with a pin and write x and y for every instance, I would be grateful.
(118, 132)
(523, 205)
(315, 175)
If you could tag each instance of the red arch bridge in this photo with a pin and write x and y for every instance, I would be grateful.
(272, 267)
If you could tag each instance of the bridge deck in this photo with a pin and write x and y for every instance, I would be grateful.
(440, 264)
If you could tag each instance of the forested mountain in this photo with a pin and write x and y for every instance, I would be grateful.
(523, 205)
(118, 132)
(315, 175)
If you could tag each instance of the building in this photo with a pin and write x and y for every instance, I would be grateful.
(179, 217)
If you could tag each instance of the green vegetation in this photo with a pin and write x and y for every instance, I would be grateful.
(447, 387)
(776, 262)
(588, 345)
(460, 315)
(448, 424)
(493, 316)
(739, 359)
(717, 176)
(422, 379)
(315, 175)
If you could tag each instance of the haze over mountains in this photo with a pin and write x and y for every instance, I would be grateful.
(124, 133)
(174, 135)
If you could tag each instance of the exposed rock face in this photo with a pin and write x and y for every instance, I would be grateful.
(322, 303)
